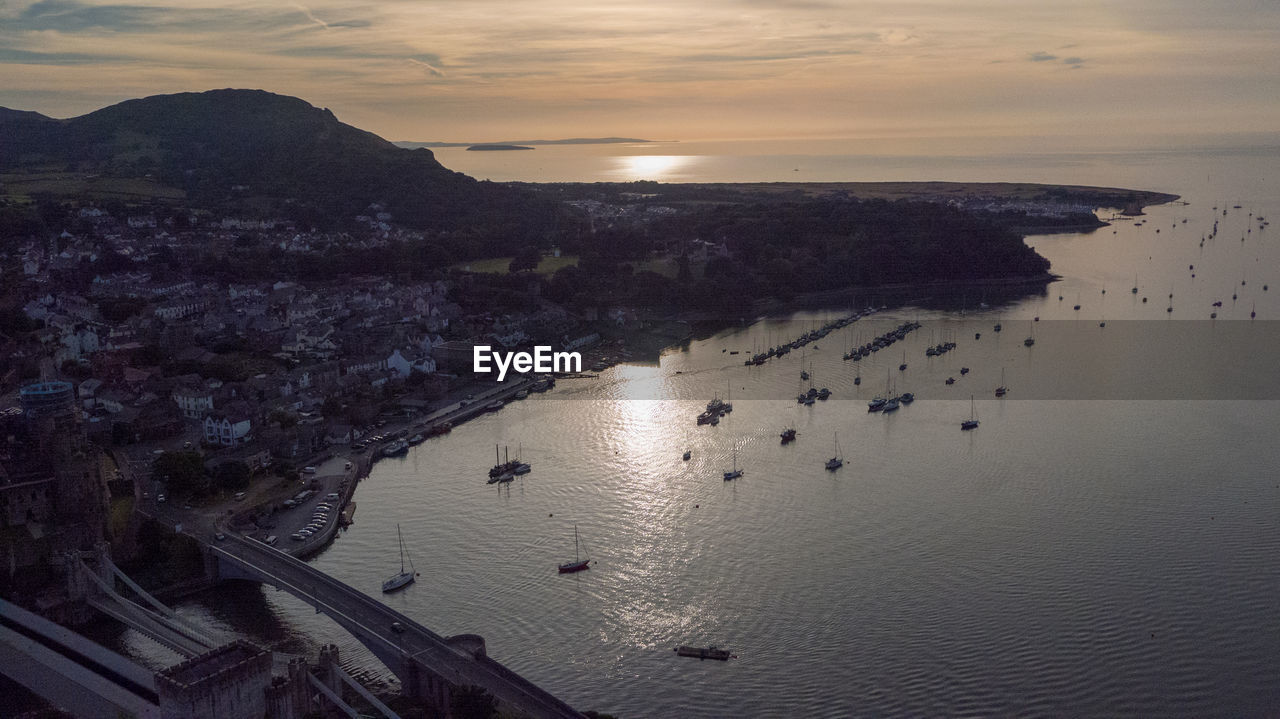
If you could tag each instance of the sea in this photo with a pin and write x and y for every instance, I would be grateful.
(1105, 543)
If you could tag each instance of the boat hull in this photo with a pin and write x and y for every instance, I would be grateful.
(578, 566)
(400, 581)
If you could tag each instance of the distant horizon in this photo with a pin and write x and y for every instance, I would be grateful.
(727, 68)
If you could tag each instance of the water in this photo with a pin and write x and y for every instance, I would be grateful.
(1105, 547)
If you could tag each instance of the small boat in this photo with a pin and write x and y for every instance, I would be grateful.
(417, 439)
(494, 406)
(890, 406)
(735, 472)
(687, 455)
(403, 579)
(857, 380)
(906, 398)
(704, 653)
(579, 563)
(964, 371)
(972, 422)
(877, 404)
(837, 461)
(397, 447)
(522, 394)
(1001, 390)
(951, 380)
(788, 435)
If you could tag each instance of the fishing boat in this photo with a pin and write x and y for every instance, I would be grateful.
(703, 653)
(579, 563)
(837, 461)
(403, 579)
(735, 472)
(972, 422)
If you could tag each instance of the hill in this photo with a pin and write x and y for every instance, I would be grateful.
(249, 149)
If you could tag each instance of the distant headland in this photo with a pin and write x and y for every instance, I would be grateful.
(498, 147)
(492, 145)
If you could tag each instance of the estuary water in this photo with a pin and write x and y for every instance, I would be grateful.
(1104, 543)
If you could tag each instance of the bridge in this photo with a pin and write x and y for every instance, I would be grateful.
(83, 678)
(429, 666)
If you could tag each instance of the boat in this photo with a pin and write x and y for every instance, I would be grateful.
(504, 468)
(522, 394)
(891, 405)
(906, 398)
(403, 579)
(972, 422)
(395, 448)
(1001, 390)
(687, 455)
(704, 653)
(579, 563)
(951, 380)
(857, 380)
(417, 439)
(735, 472)
(837, 461)
(788, 435)
(494, 406)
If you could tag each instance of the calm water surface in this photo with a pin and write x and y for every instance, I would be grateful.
(1107, 547)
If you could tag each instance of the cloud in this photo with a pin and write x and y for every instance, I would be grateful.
(1041, 56)
(429, 67)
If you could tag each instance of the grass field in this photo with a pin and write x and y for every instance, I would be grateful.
(20, 186)
(499, 265)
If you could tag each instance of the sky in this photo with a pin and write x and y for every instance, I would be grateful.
(482, 70)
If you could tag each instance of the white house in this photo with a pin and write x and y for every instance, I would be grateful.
(227, 428)
(193, 401)
(404, 363)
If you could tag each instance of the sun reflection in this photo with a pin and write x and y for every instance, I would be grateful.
(650, 167)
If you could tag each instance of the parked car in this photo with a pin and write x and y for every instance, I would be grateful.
(308, 470)
(160, 499)
(239, 496)
(220, 537)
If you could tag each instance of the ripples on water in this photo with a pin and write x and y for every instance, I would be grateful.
(1074, 555)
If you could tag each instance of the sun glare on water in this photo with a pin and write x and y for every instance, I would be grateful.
(650, 167)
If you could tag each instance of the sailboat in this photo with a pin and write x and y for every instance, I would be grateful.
(1001, 390)
(837, 461)
(579, 563)
(972, 422)
(735, 472)
(1031, 338)
(403, 579)
(688, 452)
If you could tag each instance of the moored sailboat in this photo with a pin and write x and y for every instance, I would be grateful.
(403, 579)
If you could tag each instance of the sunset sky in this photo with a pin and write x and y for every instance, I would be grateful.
(475, 70)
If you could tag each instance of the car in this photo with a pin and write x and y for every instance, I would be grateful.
(220, 537)
(160, 499)
(289, 503)
(157, 452)
(397, 627)
(239, 496)
(471, 397)
(324, 505)
(347, 465)
(271, 540)
(297, 536)
(187, 506)
(308, 470)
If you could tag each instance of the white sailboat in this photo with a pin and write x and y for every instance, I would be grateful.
(735, 472)
(578, 563)
(404, 578)
(837, 461)
(972, 422)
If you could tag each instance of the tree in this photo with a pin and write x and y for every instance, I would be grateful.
(526, 259)
(472, 702)
(232, 476)
(183, 472)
